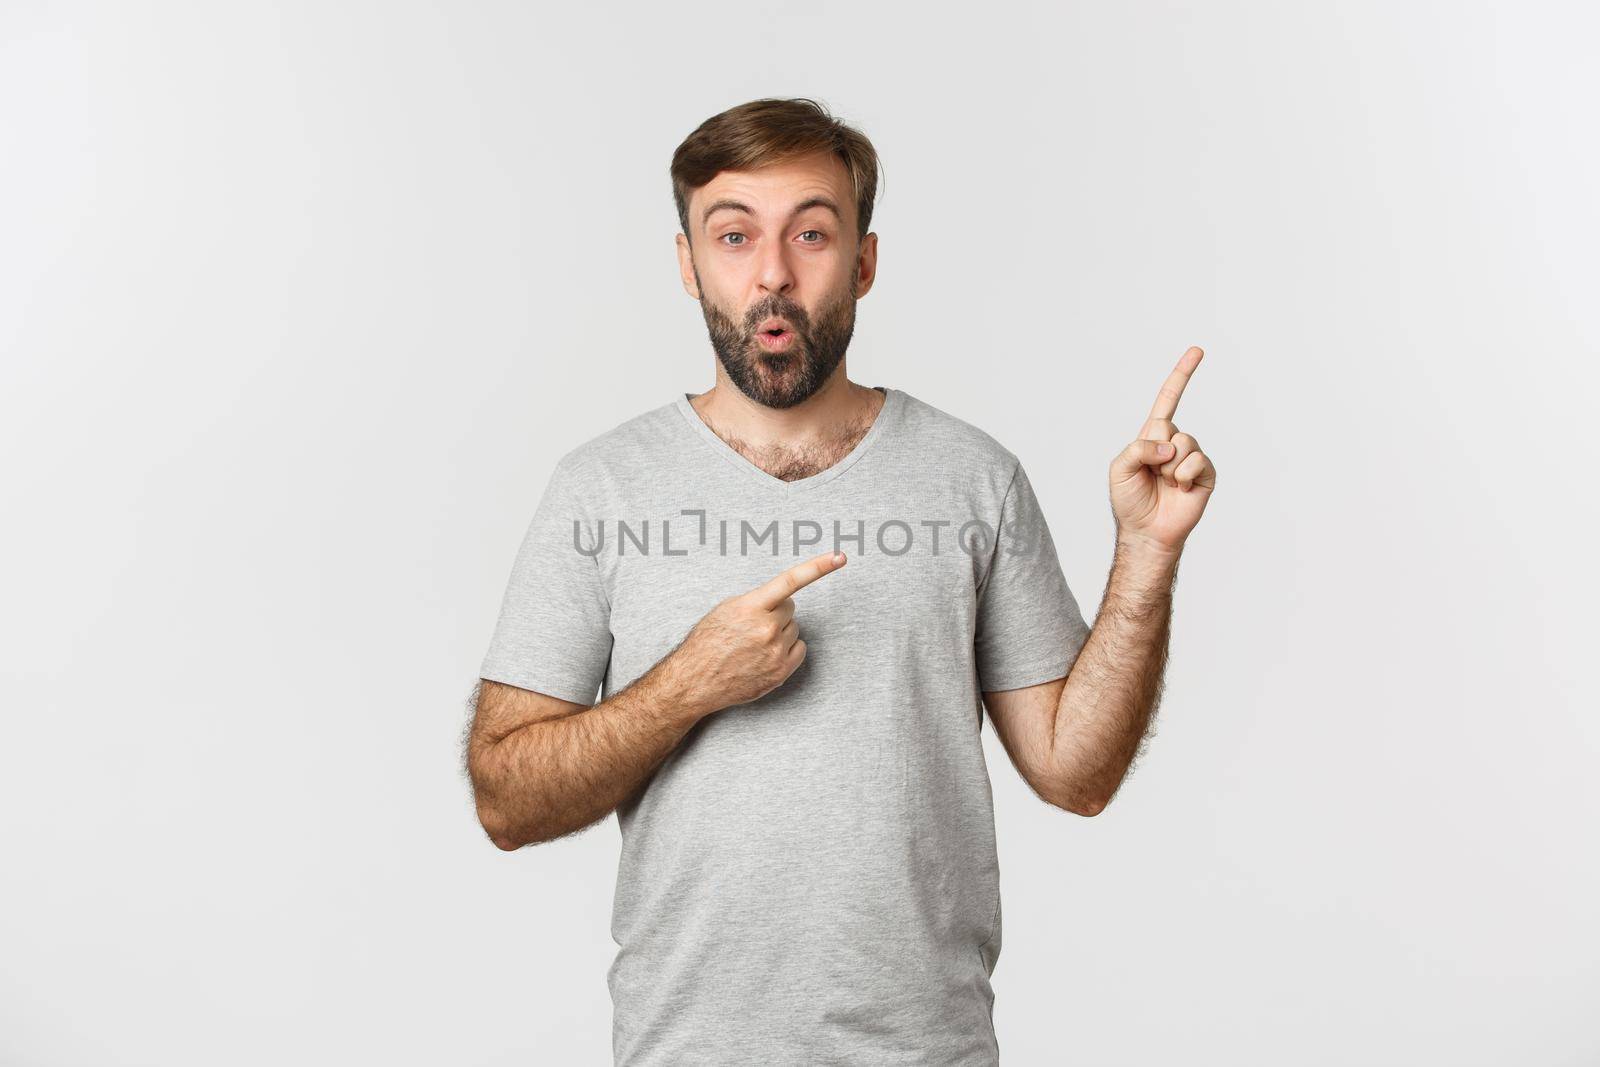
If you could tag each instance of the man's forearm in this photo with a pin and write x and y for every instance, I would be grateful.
(1112, 691)
(554, 777)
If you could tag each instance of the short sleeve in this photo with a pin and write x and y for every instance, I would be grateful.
(553, 635)
(1029, 628)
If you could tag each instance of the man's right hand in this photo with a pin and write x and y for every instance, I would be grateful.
(749, 644)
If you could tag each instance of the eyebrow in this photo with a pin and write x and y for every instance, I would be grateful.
(726, 204)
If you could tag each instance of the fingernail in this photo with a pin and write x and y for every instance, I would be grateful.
(1165, 450)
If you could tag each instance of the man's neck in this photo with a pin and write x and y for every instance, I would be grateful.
(797, 442)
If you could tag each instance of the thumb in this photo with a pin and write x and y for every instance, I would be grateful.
(1141, 452)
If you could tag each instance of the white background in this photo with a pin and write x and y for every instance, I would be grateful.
(300, 302)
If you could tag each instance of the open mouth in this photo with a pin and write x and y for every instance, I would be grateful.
(775, 340)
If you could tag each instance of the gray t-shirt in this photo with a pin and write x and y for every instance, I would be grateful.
(809, 878)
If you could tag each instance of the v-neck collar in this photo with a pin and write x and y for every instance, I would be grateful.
(886, 414)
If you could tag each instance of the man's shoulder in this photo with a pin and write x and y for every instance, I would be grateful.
(938, 432)
(647, 433)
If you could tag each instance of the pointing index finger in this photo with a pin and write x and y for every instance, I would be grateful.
(774, 592)
(1166, 404)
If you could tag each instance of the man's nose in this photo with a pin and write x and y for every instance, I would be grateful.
(776, 274)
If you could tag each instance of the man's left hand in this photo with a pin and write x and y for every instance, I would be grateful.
(1161, 482)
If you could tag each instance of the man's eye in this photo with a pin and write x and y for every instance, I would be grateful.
(820, 237)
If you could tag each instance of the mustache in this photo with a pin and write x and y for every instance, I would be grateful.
(793, 314)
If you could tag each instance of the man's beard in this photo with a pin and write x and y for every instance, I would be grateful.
(782, 379)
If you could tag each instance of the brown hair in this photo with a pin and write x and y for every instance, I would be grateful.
(772, 130)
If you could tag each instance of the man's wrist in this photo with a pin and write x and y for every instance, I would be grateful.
(1142, 549)
(676, 691)
(1142, 563)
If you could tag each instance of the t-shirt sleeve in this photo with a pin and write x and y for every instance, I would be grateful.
(553, 635)
(1029, 628)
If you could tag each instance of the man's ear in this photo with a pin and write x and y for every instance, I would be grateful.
(866, 264)
(686, 266)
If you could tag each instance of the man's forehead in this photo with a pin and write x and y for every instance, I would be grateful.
(776, 189)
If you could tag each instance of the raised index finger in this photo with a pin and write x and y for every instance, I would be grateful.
(774, 592)
(1166, 404)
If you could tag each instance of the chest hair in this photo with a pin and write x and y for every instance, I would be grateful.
(789, 462)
